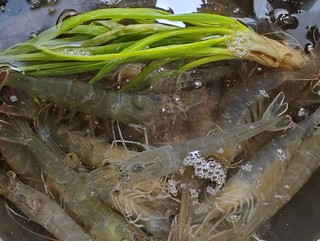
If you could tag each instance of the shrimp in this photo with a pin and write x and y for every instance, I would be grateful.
(168, 159)
(255, 180)
(244, 103)
(301, 167)
(20, 160)
(82, 199)
(87, 98)
(41, 209)
(93, 151)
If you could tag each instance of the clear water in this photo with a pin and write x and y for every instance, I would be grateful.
(300, 219)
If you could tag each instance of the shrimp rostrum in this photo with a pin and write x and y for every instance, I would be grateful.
(168, 159)
(41, 209)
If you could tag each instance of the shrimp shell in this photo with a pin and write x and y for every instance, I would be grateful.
(301, 167)
(41, 209)
(246, 188)
(82, 199)
(87, 98)
(168, 159)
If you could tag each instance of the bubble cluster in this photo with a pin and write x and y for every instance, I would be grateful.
(302, 112)
(246, 167)
(206, 169)
(35, 4)
(172, 187)
(239, 45)
(264, 93)
(282, 156)
(194, 194)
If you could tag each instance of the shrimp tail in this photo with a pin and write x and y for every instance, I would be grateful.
(275, 111)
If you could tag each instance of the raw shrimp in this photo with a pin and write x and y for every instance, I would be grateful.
(88, 98)
(256, 179)
(41, 209)
(82, 199)
(245, 102)
(92, 151)
(165, 160)
(301, 167)
(20, 160)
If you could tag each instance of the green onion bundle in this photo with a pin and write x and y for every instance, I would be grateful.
(103, 39)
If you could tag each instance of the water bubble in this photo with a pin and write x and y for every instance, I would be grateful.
(92, 193)
(302, 112)
(233, 218)
(109, 2)
(246, 167)
(264, 93)
(51, 10)
(258, 183)
(252, 127)
(13, 98)
(160, 70)
(51, 2)
(2, 8)
(212, 190)
(236, 10)
(197, 84)
(287, 187)
(220, 150)
(239, 147)
(33, 34)
(35, 4)
(239, 45)
(172, 187)
(280, 153)
(310, 48)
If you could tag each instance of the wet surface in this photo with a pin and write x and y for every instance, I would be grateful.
(300, 219)
(20, 20)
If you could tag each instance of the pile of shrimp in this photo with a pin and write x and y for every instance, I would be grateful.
(208, 154)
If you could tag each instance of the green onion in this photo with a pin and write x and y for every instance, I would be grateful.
(100, 41)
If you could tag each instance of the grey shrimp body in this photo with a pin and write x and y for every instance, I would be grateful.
(245, 102)
(88, 98)
(41, 209)
(99, 219)
(168, 159)
(304, 163)
(20, 160)
(93, 151)
(248, 187)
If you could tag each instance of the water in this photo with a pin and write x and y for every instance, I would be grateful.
(299, 220)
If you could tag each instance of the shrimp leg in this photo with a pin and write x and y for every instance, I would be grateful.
(301, 167)
(87, 98)
(168, 159)
(41, 209)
